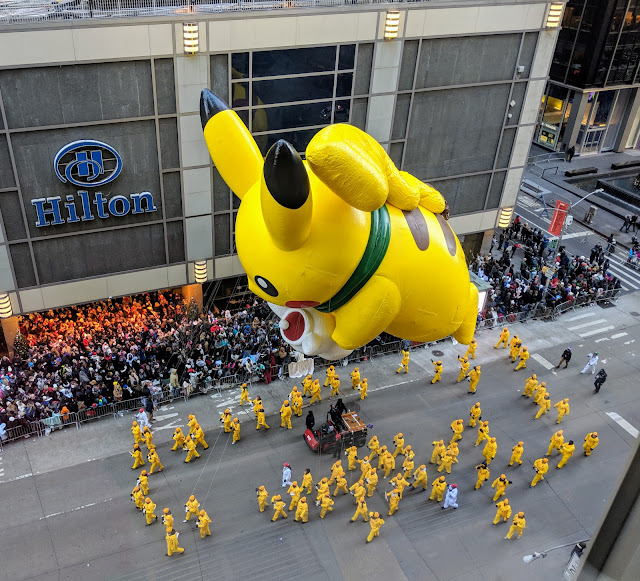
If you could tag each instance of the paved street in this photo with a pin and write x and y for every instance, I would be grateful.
(66, 502)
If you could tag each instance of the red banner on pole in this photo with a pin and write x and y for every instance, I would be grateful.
(562, 208)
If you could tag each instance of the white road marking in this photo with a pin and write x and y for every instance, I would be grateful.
(169, 426)
(577, 234)
(165, 417)
(624, 424)
(624, 276)
(589, 324)
(74, 509)
(618, 335)
(542, 361)
(578, 317)
(601, 330)
(603, 339)
(16, 478)
(629, 342)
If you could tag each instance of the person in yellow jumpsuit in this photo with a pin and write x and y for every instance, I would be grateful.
(192, 424)
(483, 474)
(408, 466)
(307, 481)
(172, 543)
(530, 386)
(315, 392)
(285, 415)
(136, 454)
(361, 510)
(257, 404)
(483, 433)
(457, 426)
(389, 463)
(326, 504)
(335, 386)
(514, 347)
(352, 457)
(545, 406)
(341, 485)
(364, 386)
(148, 510)
(137, 497)
(236, 431)
(294, 491)
(540, 391)
(302, 511)
(261, 420)
(296, 402)
(500, 484)
(365, 467)
(226, 418)
(198, 437)
(143, 482)
(516, 454)
(398, 440)
(503, 513)
(375, 522)
(524, 355)
(464, 368)
(420, 478)
(489, 450)
(331, 371)
(541, 466)
(568, 448)
(438, 486)
(453, 449)
(438, 450)
(190, 447)
(474, 378)
(518, 525)
(137, 433)
(563, 409)
(381, 454)
(167, 519)
(371, 482)
(393, 497)
(404, 364)
(306, 386)
(555, 443)
(399, 483)
(262, 496)
(321, 488)
(447, 462)
(355, 378)
(152, 457)
(192, 506)
(244, 394)
(437, 368)
(408, 452)
(374, 447)
(504, 338)
(475, 414)
(278, 507)
(358, 490)
(336, 471)
(178, 438)
(148, 437)
(471, 349)
(203, 523)
(591, 442)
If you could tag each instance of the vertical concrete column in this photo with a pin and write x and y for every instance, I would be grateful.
(627, 121)
(10, 330)
(578, 108)
(193, 291)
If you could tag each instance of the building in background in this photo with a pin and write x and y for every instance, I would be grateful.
(592, 100)
(107, 188)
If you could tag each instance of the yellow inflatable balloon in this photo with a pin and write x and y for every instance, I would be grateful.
(343, 242)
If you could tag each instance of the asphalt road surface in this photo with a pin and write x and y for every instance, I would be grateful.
(72, 517)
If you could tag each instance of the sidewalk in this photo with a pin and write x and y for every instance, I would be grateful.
(609, 216)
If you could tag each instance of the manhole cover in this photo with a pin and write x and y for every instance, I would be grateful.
(634, 314)
(437, 353)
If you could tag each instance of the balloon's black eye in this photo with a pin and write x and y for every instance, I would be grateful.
(266, 286)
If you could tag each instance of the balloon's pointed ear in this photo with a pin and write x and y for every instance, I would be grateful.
(285, 196)
(231, 146)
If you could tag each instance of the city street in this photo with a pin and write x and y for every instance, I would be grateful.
(82, 524)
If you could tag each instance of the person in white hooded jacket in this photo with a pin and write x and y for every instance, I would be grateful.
(451, 499)
(591, 363)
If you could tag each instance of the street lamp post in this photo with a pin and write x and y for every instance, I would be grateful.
(571, 206)
(543, 554)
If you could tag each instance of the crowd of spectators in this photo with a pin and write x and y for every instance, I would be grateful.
(540, 276)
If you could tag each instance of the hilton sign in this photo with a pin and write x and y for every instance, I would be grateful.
(88, 164)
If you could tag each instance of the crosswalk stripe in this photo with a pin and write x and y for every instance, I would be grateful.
(596, 331)
(624, 276)
(618, 335)
(577, 317)
(577, 234)
(583, 325)
(623, 423)
(542, 361)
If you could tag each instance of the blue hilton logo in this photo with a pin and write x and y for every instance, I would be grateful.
(88, 164)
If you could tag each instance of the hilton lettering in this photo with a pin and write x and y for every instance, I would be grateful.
(50, 210)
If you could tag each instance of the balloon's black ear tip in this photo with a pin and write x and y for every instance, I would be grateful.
(285, 175)
(210, 105)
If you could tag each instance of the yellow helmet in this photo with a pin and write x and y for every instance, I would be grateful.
(303, 499)
(147, 500)
(286, 402)
(135, 423)
(202, 512)
(376, 515)
(166, 511)
(192, 498)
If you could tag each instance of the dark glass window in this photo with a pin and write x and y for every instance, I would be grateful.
(343, 87)
(347, 56)
(240, 65)
(296, 89)
(299, 139)
(270, 63)
(297, 115)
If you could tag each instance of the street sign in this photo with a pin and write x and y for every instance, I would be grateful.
(558, 217)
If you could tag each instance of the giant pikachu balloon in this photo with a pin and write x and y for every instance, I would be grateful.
(343, 245)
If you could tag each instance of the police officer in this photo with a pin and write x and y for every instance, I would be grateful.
(601, 377)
